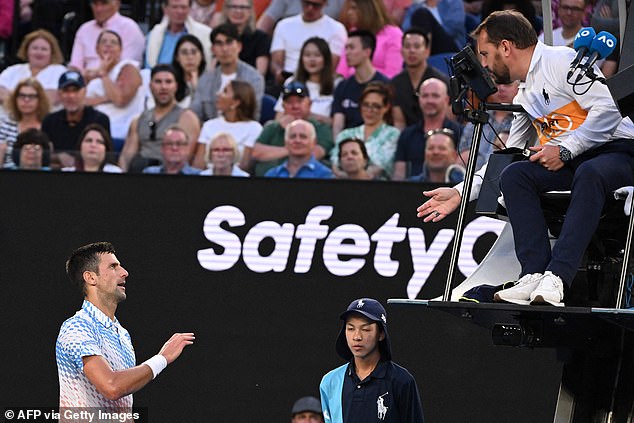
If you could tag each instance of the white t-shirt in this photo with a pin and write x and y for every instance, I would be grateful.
(48, 77)
(120, 117)
(558, 38)
(290, 34)
(245, 132)
(235, 171)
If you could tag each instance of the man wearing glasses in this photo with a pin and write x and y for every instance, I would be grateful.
(175, 148)
(290, 34)
(142, 146)
(571, 13)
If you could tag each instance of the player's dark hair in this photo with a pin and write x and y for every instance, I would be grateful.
(84, 259)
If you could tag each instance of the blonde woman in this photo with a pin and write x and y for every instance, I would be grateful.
(222, 156)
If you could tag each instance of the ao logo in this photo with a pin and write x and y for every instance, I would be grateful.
(345, 248)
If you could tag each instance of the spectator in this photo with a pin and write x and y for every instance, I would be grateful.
(237, 105)
(116, 90)
(353, 160)
(499, 121)
(279, 9)
(300, 140)
(345, 106)
(32, 151)
(222, 155)
(175, 151)
(106, 12)
(6, 19)
(176, 22)
(269, 149)
(415, 50)
(371, 15)
(307, 410)
(202, 11)
(95, 151)
(27, 105)
(226, 46)
(291, 33)
(434, 103)
(380, 138)
(43, 59)
(255, 43)
(142, 146)
(64, 126)
(315, 71)
(189, 64)
(572, 14)
(440, 165)
(444, 20)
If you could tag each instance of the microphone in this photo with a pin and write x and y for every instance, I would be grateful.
(582, 42)
(601, 47)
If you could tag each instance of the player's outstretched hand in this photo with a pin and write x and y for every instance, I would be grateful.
(174, 346)
(442, 202)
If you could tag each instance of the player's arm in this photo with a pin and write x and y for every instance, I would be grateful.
(117, 384)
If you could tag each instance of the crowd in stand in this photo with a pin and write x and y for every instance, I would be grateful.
(277, 88)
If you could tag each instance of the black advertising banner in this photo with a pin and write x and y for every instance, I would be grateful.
(260, 270)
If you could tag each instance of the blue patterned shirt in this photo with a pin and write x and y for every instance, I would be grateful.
(90, 332)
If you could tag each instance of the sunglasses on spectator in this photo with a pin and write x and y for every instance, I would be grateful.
(169, 144)
(375, 107)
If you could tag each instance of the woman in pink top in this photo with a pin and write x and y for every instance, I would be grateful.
(371, 15)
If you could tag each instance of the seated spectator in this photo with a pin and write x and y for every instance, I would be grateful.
(270, 150)
(43, 57)
(353, 160)
(415, 51)
(572, 14)
(176, 22)
(440, 159)
(256, 44)
(237, 105)
(345, 106)
(380, 138)
(27, 105)
(142, 146)
(64, 126)
(95, 151)
(116, 90)
(106, 16)
(280, 9)
(202, 11)
(226, 46)
(307, 410)
(499, 121)
(291, 33)
(434, 103)
(315, 71)
(300, 140)
(222, 155)
(175, 151)
(371, 15)
(189, 64)
(31, 151)
(443, 20)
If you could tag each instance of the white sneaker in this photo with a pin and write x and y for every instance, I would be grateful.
(549, 291)
(520, 293)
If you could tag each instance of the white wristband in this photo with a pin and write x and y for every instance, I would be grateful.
(157, 364)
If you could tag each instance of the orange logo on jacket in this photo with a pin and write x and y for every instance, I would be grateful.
(564, 119)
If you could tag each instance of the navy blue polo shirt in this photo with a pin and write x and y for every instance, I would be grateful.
(388, 395)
